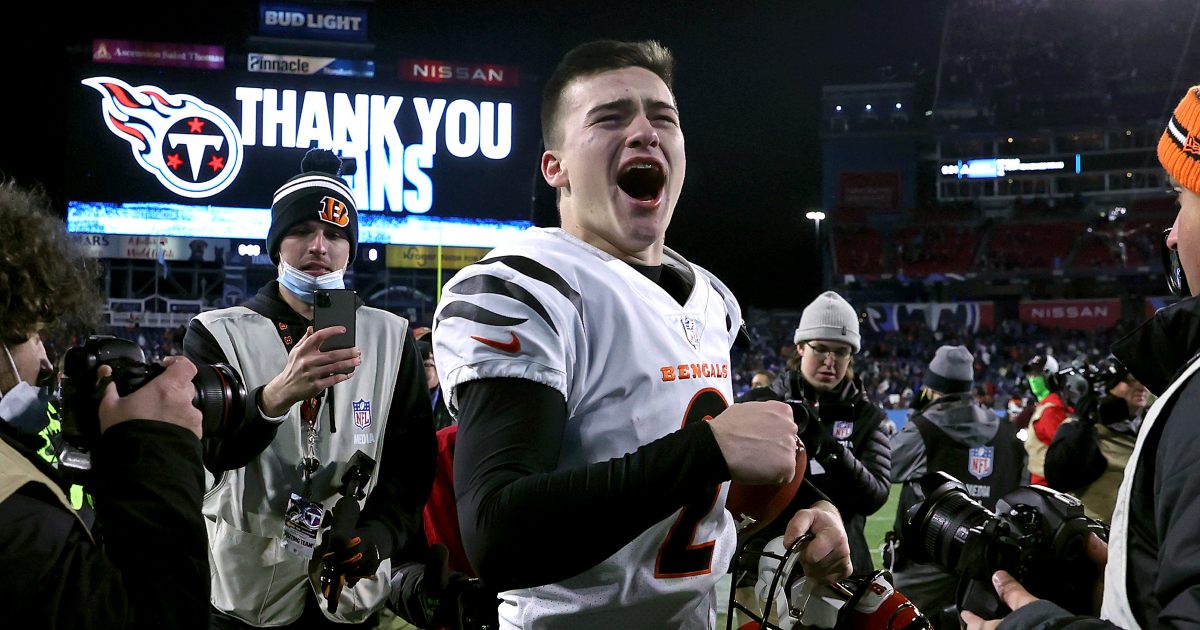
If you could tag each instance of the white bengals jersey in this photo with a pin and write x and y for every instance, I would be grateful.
(631, 363)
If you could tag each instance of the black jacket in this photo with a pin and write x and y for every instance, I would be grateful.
(855, 473)
(1163, 568)
(144, 563)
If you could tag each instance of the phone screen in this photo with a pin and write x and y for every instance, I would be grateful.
(335, 307)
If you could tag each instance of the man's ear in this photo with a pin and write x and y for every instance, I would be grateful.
(8, 378)
(553, 170)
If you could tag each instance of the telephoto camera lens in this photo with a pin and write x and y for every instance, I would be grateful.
(220, 396)
(942, 523)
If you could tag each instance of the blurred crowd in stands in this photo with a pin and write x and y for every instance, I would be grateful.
(892, 363)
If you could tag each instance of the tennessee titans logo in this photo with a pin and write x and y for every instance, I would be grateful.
(362, 413)
(979, 461)
(193, 148)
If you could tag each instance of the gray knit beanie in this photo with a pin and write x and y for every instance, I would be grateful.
(831, 318)
(952, 370)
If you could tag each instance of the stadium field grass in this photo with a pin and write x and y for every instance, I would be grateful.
(880, 523)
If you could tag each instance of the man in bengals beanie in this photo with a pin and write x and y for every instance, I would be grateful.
(1151, 573)
(309, 412)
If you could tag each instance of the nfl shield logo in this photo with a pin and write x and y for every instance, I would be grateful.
(979, 461)
(691, 328)
(362, 413)
(842, 429)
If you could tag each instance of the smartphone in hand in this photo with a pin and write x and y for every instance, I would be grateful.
(335, 307)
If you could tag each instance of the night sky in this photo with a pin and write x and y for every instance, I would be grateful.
(748, 84)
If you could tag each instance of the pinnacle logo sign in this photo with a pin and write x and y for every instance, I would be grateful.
(193, 148)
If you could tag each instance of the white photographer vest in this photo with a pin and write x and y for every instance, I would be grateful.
(254, 579)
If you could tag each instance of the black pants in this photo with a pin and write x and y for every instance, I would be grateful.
(312, 617)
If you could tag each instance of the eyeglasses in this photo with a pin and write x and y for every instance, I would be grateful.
(1176, 281)
(839, 353)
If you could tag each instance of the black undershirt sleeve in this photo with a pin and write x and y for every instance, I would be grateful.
(513, 503)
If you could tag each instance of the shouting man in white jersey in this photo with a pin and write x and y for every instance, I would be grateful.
(589, 370)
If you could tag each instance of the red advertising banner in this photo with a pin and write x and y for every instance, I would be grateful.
(872, 191)
(1074, 314)
(435, 71)
(158, 54)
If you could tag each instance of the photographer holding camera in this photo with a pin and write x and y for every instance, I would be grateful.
(1051, 411)
(1152, 577)
(1091, 449)
(142, 561)
(849, 452)
(310, 415)
(950, 432)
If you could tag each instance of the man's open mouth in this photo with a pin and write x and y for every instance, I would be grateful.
(642, 180)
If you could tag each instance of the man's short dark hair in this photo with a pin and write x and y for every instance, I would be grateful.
(594, 58)
(43, 279)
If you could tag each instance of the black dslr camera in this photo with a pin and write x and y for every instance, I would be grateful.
(220, 394)
(1096, 405)
(1036, 534)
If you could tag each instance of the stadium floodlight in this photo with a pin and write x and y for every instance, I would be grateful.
(816, 216)
(838, 108)
(898, 106)
(868, 108)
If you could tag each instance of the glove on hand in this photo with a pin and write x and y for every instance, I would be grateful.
(352, 558)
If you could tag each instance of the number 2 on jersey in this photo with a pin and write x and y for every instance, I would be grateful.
(678, 557)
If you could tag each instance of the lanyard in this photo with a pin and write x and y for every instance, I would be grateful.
(309, 410)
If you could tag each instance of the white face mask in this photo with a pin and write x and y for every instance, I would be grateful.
(24, 406)
(303, 285)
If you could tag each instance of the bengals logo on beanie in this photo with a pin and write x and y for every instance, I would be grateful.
(334, 211)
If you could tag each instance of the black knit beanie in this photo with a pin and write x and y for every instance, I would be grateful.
(318, 192)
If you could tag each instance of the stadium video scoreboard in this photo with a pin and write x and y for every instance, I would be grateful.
(996, 167)
(188, 152)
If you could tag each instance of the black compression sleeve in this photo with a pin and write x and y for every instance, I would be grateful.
(512, 501)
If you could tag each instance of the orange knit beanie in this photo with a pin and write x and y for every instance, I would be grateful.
(1179, 147)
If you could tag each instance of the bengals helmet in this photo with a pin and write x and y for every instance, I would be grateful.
(785, 599)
